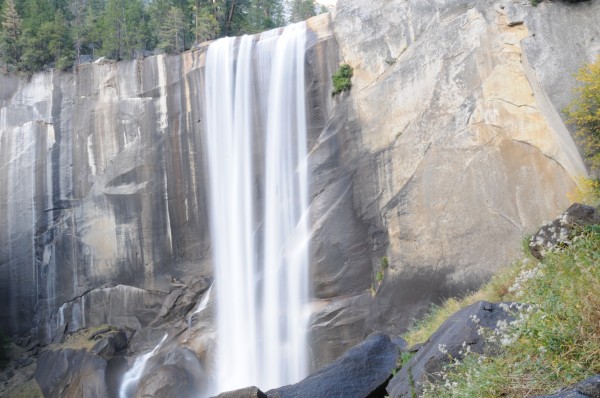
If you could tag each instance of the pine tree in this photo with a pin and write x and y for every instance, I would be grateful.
(122, 29)
(49, 45)
(172, 30)
(206, 25)
(78, 27)
(302, 10)
(10, 37)
(263, 15)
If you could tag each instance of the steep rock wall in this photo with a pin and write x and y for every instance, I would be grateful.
(446, 152)
(102, 175)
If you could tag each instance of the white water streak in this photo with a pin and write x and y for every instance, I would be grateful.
(132, 377)
(261, 269)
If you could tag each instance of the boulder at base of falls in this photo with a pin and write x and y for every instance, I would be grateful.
(248, 392)
(71, 373)
(166, 381)
(459, 333)
(588, 388)
(363, 369)
(107, 345)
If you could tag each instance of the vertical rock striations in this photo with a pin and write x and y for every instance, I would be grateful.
(448, 149)
(103, 184)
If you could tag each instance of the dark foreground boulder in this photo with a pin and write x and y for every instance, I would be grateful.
(457, 334)
(357, 373)
(71, 373)
(248, 392)
(588, 388)
(558, 231)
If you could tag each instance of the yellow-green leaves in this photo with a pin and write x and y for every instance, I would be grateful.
(584, 112)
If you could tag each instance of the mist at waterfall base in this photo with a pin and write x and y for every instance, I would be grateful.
(256, 149)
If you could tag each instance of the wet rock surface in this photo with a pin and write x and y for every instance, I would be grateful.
(165, 382)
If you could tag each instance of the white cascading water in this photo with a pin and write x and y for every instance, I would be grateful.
(132, 377)
(201, 307)
(255, 104)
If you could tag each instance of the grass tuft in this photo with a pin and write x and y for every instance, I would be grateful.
(341, 79)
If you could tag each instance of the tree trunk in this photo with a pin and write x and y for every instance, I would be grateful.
(230, 17)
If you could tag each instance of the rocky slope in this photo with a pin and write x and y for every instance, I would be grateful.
(425, 176)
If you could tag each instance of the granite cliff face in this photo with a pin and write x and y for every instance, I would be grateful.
(449, 148)
(425, 176)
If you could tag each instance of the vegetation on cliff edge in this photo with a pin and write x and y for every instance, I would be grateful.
(40, 34)
(584, 113)
(558, 344)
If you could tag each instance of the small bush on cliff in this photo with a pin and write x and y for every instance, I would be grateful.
(584, 112)
(587, 192)
(341, 79)
(556, 344)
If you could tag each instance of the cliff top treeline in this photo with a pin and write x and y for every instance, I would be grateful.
(39, 34)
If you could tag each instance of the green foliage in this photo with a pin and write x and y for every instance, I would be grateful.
(403, 359)
(534, 2)
(379, 276)
(322, 9)
(384, 262)
(302, 10)
(587, 192)
(40, 34)
(555, 343)
(122, 29)
(206, 25)
(49, 43)
(341, 79)
(584, 112)
(10, 35)
(171, 31)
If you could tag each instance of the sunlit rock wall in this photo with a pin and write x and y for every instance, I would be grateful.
(448, 150)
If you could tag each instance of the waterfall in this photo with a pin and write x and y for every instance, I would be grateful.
(256, 148)
(132, 377)
(201, 307)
